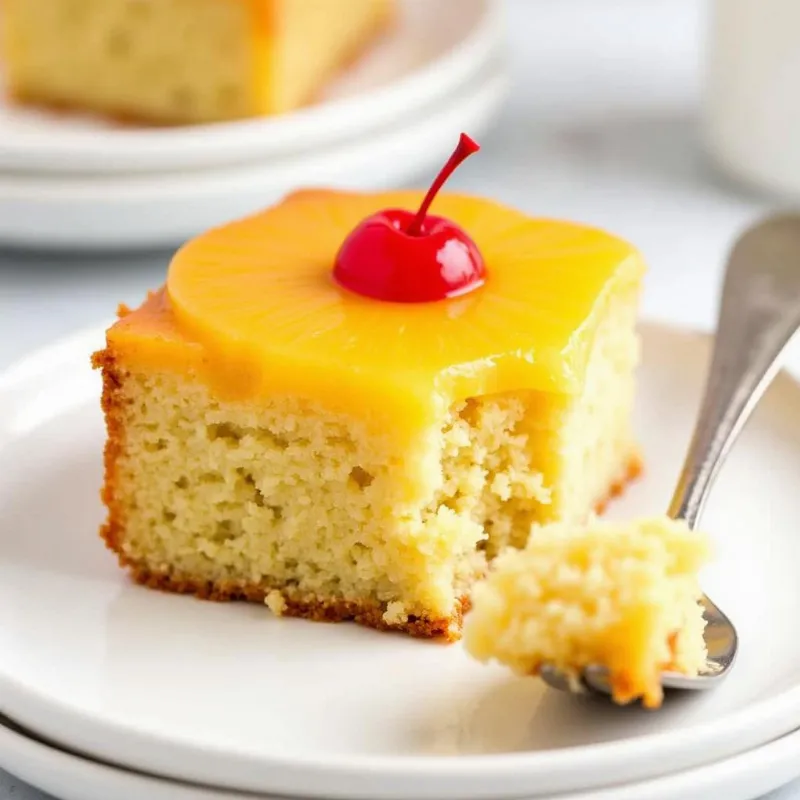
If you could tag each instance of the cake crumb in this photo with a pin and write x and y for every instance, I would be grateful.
(626, 596)
(395, 613)
(275, 602)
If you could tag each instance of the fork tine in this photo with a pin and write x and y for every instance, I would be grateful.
(596, 678)
(556, 679)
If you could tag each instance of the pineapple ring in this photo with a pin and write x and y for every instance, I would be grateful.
(260, 296)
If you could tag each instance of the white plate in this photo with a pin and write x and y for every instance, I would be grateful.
(433, 50)
(137, 211)
(230, 696)
(70, 777)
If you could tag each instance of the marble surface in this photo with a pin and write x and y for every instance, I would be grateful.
(602, 125)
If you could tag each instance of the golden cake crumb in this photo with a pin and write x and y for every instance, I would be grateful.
(625, 596)
(276, 602)
(395, 614)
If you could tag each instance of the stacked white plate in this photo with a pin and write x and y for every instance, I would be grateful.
(132, 693)
(72, 181)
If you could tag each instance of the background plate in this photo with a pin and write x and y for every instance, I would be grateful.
(228, 695)
(141, 211)
(433, 50)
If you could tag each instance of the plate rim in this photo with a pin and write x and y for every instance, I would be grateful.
(432, 777)
(660, 788)
(149, 149)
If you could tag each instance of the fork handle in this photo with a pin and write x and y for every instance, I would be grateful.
(758, 314)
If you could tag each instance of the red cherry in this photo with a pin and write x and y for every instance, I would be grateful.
(402, 257)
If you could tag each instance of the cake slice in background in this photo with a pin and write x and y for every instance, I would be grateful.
(275, 436)
(181, 61)
(625, 596)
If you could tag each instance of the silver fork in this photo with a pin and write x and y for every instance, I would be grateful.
(759, 312)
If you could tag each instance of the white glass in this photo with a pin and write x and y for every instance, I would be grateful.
(752, 103)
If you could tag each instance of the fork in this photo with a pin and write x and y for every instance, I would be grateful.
(759, 312)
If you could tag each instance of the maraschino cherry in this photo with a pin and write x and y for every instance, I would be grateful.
(402, 257)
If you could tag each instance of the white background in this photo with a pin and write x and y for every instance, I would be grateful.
(602, 125)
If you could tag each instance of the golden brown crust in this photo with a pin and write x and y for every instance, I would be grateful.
(111, 530)
(300, 604)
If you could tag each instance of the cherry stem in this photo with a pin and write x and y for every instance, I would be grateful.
(464, 149)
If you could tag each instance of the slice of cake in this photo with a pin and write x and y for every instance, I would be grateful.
(625, 596)
(181, 61)
(274, 434)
